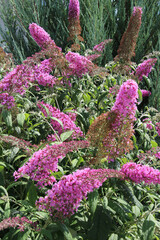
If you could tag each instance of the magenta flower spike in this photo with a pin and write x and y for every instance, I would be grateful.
(145, 68)
(126, 100)
(41, 37)
(45, 161)
(65, 196)
(74, 9)
(111, 132)
(145, 93)
(74, 25)
(139, 173)
(79, 65)
(101, 46)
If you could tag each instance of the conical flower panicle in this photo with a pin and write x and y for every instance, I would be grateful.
(111, 132)
(45, 161)
(79, 64)
(74, 25)
(139, 173)
(145, 68)
(17, 222)
(41, 37)
(127, 46)
(64, 198)
(101, 46)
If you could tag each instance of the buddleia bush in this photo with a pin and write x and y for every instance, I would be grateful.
(79, 153)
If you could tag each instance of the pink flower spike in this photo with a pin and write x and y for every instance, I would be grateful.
(45, 161)
(145, 68)
(100, 47)
(139, 173)
(145, 93)
(74, 9)
(41, 37)
(19, 222)
(78, 64)
(65, 196)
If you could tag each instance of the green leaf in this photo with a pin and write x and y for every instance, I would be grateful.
(67, 234)
(21, 119)
(6, 200)
(7, 117)
(18, 130)
(23, 235)
(2, 181)
(74, 162)
(147, 80)
(66, 135)
(47, 234)
(154, 144)
(87, 98)
(20, 156)
(101, 225)
(147, 137)
(148, 228)
(2, 164)
(42, 215)
(46, 109)
(140, 98)
(14, 184)
(113, 237)
(32, 195)
(93, 201)
(7, 209)
(102, 96)
(136, 210)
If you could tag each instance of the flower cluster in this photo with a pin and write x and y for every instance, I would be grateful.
(101, 46)
(74, 9)
(7, 100)
(17, 81)
(41, 37)
(42, 74)
(20, 222)
(145, 68)
(74, 25)
(111, 132)
(79, 65)
(139, 173)
(45, 161)
(65, 196)
(129, 38)
(118, 140)
(126, 100)
(148, 123)
(145, 93)
(68, 124)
